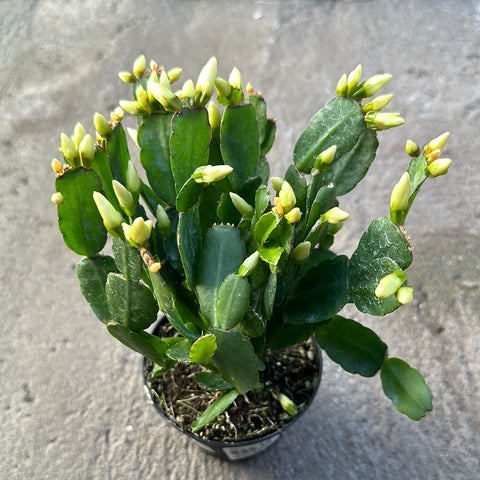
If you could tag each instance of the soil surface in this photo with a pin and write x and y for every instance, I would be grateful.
(293, 371)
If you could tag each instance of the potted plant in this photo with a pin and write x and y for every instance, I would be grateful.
(238, 275)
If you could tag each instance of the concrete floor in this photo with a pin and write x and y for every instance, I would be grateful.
(71, 399)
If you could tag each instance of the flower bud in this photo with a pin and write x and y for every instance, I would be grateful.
(102, 126)
(372, 85)
(57, 198)
(117, 115)
(389, 285)
(438, 167)
(78, 134)
(437, 143)
(342, 87)
(287, 404)
(127, 77)
(142, 99)
(163, 222)
(235, 79)
(433, 155)
(353, 79)
(211, 173)
(383, 121)
(277, 183)
(287, 197)
(57, 167)
(140, 231)
(405, 295)
(412, 148)
(334, 216)
(154, 267)
(165, 96)
(223, 87)
(377, 103)
(188, 90)
(174, 74)
(139, 66)
(206, 81)
(124, 197)
(112, 218)
(132, 107)
(133, 182)
(241, 205)
(249, 264)
(400, 195)
(302, 252)
(214, 117)
(294, 215)
(69, 150)
(86, 151)
(325, 158)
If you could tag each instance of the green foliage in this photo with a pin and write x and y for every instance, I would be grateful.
(237, 272)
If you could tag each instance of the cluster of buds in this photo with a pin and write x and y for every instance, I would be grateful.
(436, 166)
(350, 86)
(138, 233)
(284, 204)
(393, 284)
(78, 150)
(153, 266)
(230, 92)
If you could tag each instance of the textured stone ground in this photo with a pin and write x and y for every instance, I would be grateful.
(71, 399)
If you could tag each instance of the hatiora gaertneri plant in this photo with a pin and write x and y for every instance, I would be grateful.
(236, 272)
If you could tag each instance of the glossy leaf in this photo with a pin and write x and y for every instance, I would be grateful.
(203, 349)
(239, 143)
(222, 254)
(406, 388)
(189, 236)
(188, 195)
(239, 369)
(118, 155)
(127, 259)
(130, 303)
(232, 302)
(101, 165)
(320, 293)
(92, 276)
(212, 381)
(265, 226)
(353, 165)
(78, 217)
(180, 351)
(339, 123)
(154, 137)
(189, 144)
(356, 348)
(148, 345)
(214, 410)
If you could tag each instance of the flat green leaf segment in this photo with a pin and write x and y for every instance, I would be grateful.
(214, 410)
(92, 276)
(222, 254)
(353, 165)
(127, 259)
(239, 143)
(232, 301)
(339, 123)
(130, 303)
(203, 349)
(212, 381)
(382, 249)
(356, 348)
(154, 137)
(235, 360)
(118, 154)
(320, 294)
(101, 165)
(189, 234)
(406, 388)
(189, 144)
(78, 218)
(148, 345)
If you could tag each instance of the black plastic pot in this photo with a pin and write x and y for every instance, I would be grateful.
(235, 451)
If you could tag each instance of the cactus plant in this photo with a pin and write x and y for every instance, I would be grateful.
(235, 272)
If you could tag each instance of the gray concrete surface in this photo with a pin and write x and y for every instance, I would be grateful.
(71, 398)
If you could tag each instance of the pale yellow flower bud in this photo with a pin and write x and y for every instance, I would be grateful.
(69, 150)
(235, 79)
(124, 197)
(377, 103)
(287, 197)
(127, 77)
(142, 99)
(139, 66)
(400, 195)
(86, 151)
(174, 74)
(389, 285)
(112, 218)
(241, 205)
(57, 198)
(325, 158)
(78, 134)
(134, 184)
(437, 143)
(334, 216)
(277, 183)
(411, 148)
(438, 167)
(101, 125)
(405, 295)
(223, 87)
(353, 79)
(342, 87)
(214, 117)
(57, 167)
(302, 252)
(294, 215)
(249, 264)
(211, 173)
(163, 222)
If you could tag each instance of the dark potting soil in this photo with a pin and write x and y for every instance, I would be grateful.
(292, 371)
